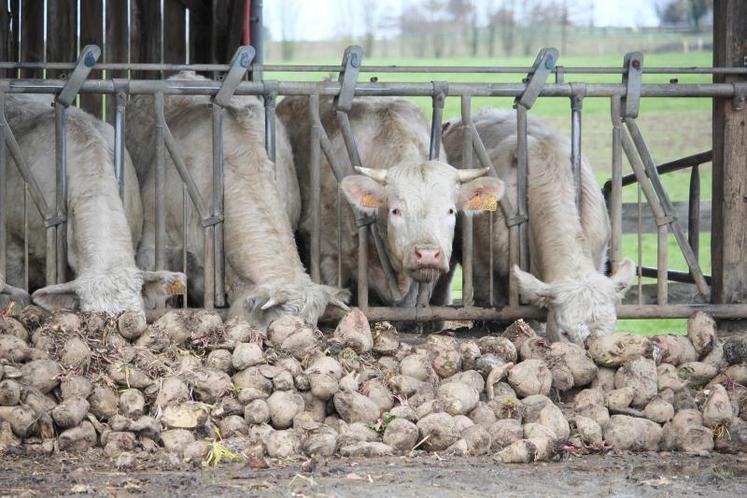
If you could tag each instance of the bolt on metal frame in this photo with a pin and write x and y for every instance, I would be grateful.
(627, 138)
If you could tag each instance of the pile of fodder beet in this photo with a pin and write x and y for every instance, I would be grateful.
(206, 391)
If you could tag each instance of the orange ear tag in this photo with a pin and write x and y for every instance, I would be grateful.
(475, 203)
(178, 288)
(370, 201)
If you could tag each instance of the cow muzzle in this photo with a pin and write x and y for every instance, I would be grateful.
(425, 263)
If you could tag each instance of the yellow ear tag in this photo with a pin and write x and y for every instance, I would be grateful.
(490, 203)
(370, 201)
(177, 288)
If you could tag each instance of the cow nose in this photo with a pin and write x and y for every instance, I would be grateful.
(428, 256)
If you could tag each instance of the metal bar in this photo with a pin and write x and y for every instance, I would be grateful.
(624, 311)
(576, 106)
(217, 208)
(160, 186)
(82, 68)
(615, 197)
(440, 89)
(522, 182)
(363, 268)
(119, 145)
(238, 67)
(662, 246)
(61, 191)
(693, 211)
(331, 68)
(339, 236)
(467, 223)
(491, 250)
(173, 147)
(371, 89)
(653, 175)
(668, 167)
(25, 237)
(632, 66)
(23, 169)
(672, 275)
(270, 127)
(339, 169)
(3, 189)
(209, 244)
(185, 224)
(349, 138)
(315, 187)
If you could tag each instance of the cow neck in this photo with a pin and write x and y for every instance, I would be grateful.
(260, 247)
(560, 248)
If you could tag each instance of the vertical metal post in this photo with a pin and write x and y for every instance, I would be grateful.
(3, 190)
(61, 191)
(438, 99)
(576, 105)
(662, 247)
(217, 211)
(522, 181)
(339, 236)
(467, 226)
(316, 185)
(363, 268)
(615, 200)
(209, 241)
(693, 211)
(160, 186)
(270, 126)
(119, 146)
(185, 224)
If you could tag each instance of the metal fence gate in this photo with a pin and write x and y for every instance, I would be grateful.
(627, 140)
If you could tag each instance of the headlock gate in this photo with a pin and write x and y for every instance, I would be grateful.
(627, 140)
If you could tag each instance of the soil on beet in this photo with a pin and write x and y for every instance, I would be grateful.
(615, 474)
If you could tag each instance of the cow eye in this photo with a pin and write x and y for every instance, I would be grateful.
(451, 211)
(396, 212)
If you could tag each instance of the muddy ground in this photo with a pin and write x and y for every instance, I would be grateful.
(621, 474)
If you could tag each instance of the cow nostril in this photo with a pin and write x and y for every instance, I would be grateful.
(418, 254)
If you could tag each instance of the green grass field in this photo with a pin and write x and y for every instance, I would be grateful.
(673, 128)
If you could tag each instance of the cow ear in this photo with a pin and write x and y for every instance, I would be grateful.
(533, 289)
(262, 299)
(57, 297)
(160, 285)
(623, 277)
(481, 194)
(337, 297)
(363, 192)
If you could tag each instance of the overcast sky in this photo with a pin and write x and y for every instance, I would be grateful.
(328, 19)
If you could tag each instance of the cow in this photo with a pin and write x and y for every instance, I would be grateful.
(101, 234)
(415, 200)
(568, 249)
(264, 276)
(9, 293)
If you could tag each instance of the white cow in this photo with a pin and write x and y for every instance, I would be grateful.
(568, 250)
(100, 234)
(264, 275)
(415, 200)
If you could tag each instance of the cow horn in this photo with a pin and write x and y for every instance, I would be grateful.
(375, 174)
(274, 301)
(338, 303)
(465, 175)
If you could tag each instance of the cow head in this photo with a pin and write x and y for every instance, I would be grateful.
(578, 308)
(114, 291)
(265, 303)
(416, 206)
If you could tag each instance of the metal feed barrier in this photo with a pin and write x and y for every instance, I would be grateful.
(624, 100)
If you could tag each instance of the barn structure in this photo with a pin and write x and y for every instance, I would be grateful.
(127, 47)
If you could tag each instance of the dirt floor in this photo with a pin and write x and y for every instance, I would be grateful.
(623, 474)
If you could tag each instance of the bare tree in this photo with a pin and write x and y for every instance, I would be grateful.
(288, 23)
(370, 22)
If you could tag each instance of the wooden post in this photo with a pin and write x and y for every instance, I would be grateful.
(61, 39)
(117, 45)
(92, 32)
(174, 33)
(6, 50)
(145, 36)
(32, 36)
(729, 228)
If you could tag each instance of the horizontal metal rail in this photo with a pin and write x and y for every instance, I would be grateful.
(669, 167)
(326, 68)
(332, 88)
